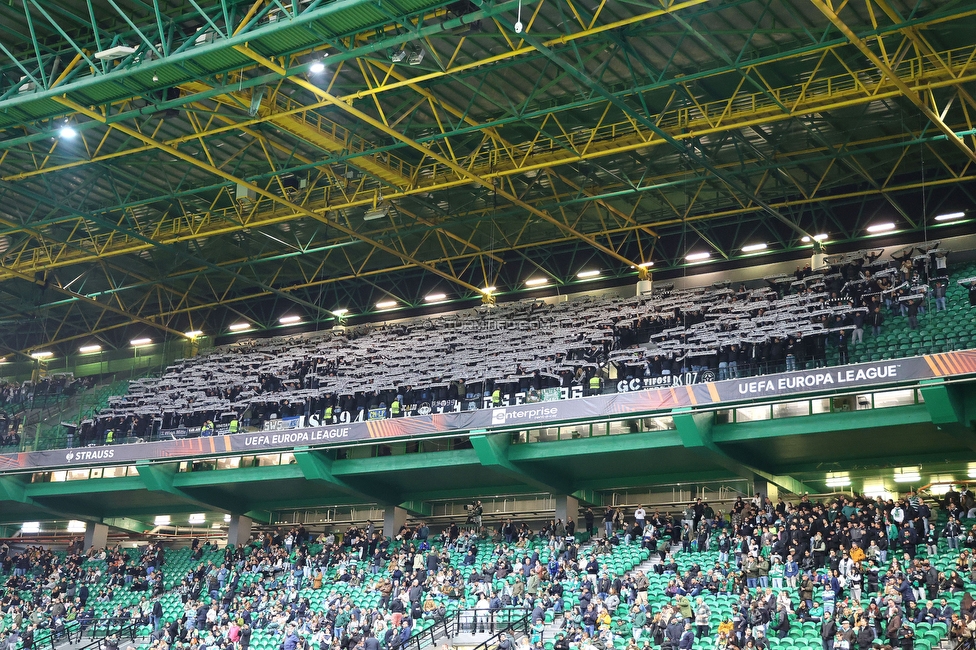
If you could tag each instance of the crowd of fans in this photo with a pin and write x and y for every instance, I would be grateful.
(16, 399)
(23, 394)
(484, 356)
(862, 570)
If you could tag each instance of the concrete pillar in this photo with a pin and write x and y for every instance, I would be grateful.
(765, 488)
(567, 507)
(96, 535)
(393, 519)
(239, 532)
(818, 260)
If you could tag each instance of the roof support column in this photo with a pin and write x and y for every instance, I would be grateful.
(567, 508)
(96, 535)
(394, 517)
(239, 532)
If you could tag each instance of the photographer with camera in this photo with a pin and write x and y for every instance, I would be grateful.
(474, 514)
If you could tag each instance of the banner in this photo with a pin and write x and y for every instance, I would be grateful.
(377, 414)
(285, 433)
(284, 424)
(665, 381)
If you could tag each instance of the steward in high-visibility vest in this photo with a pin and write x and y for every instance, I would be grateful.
(328, 414)
(395, 408)
(234, 426)
(496, 397)
(109, 435)
(594, 384)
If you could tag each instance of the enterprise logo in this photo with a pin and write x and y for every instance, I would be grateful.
(501, 415)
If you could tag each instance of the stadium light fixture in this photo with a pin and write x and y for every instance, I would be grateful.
(489, 290)
(197, 518)
(161, 520)
(88, 349)
(227, 519)
(645, 265)
(877, 490)
(239, 327)
(43, 354)
(536, 282)
(31, 527)
(821, 237)
(435, 297)
(755, 248)
(838, 481)
(881, 227)
(340, 312)
(75, 526)
(583, 275)
(907, 475)
(386, 304)
(114, 53)
(290, 320)
(67, 131)
(697, 257)
(140, 342)
(378, 212)
(951, 216)
(192, 334)
(317, 67)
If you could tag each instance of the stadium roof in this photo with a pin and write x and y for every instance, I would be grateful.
(179, 166)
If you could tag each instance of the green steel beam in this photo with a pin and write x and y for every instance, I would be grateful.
(259, 514)
(420, 508)
(12, 488)
(817, 468)
(631, 442)
(242, 475)
(492, 451)
(159, 477)
(692, 153)
(273, 504)
(643, 480)
(821, 423)
(472, 493)
(695, 430)
(946, 406)
(90, 486)
(317, 466)
(404, 463)
(127, 524)
(587, 496)
(164, 68)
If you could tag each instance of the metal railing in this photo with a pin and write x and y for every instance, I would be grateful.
(101, 628)
(97, 631)
(509, 620)
(515, 628)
